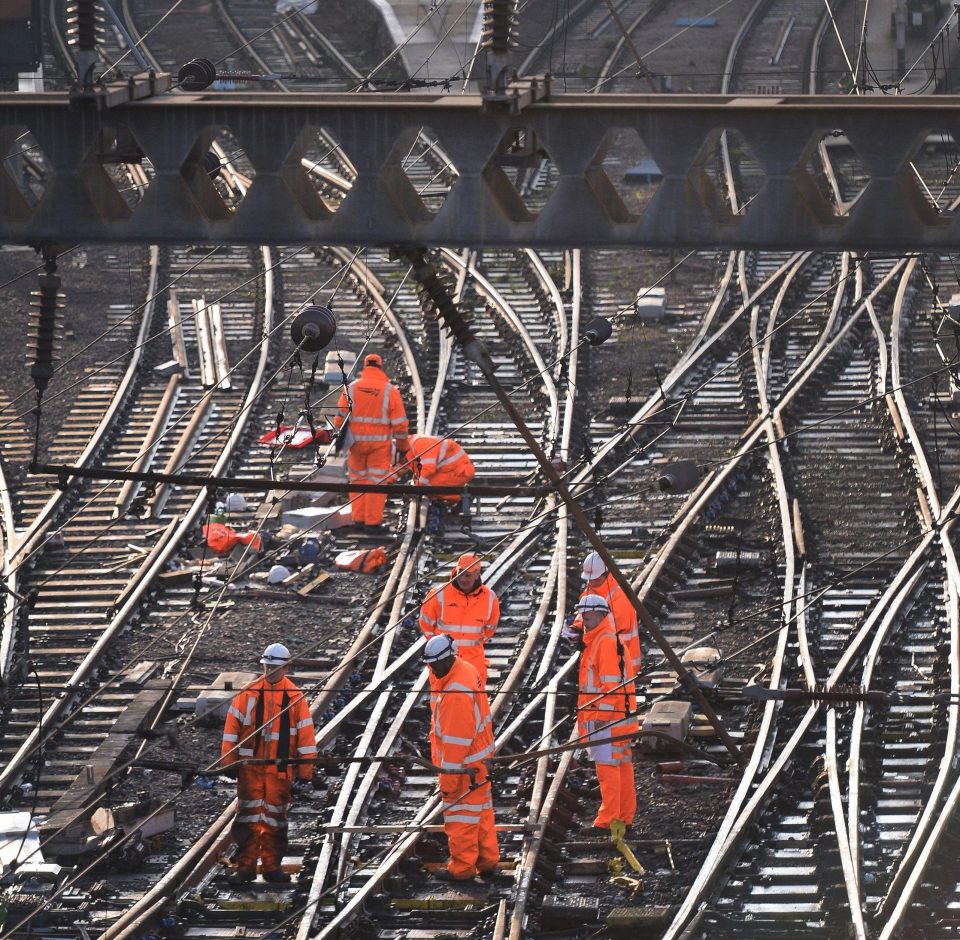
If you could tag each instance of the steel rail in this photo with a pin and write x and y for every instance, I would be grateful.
(733, 830)
(351, 798)
(306, 25)
(151, 567)
(762, 753)
(198, 861)
(246, 44)
(936, 816)
(26, 541)
(512, 557)
(913, 861)
(498, 303)
(604, 76)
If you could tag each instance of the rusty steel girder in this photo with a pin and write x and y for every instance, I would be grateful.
(72, 197)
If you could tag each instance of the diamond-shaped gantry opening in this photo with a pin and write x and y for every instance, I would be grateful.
(932, 176)
(419, 173)
(624, 175)
(831, 174)
(726, 174)
(521, 175)
(23, 179)
(115, 173)
(318, 172)
(218, 172)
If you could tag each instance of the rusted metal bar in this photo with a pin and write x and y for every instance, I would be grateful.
(449, 313)
(257, 484)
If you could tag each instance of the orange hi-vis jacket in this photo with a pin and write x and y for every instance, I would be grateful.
(437, 457)
(624, 619)
(601, 696)
(461, 733)
(378, 413)
(280, 712)
(469, 619)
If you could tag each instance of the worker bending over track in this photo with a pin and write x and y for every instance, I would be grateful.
(437, 461)
(268, 720)
(377, 417)
(464, 609)
(601, 710)
(461, 738)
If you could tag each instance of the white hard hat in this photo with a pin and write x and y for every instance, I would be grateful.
(236, 502)
(276, 654)
(594, 602)
(593, 566)
(439, 647)
(277, 574)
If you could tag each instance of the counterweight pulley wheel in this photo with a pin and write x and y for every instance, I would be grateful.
(313, 328)
(196, 75)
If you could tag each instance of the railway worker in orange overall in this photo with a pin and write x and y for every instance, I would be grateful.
(466, 610)
(601, 709)
(600, 581)
(461, 738)
(377, 417)
(270, 719)
(438, 461)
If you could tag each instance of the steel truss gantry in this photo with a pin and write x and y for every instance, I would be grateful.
(79, 203)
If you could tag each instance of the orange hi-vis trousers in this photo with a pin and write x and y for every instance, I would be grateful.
(471, 832)
(260, 828)
(614, 764)
(368, 462)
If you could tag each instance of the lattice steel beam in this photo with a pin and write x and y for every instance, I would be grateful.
(71, 197)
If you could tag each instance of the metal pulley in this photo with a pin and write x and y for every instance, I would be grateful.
(679, 476)
(313, 328)
(196, 75)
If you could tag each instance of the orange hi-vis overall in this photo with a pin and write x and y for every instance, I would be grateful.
(601, 708)
(438, 461)
(624, 619)
(281, 714)
(461, 737)
(468, 619)
(376, 418)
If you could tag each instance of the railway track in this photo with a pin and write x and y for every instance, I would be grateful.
(808, 839)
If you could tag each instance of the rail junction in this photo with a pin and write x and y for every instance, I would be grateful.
(767, 454)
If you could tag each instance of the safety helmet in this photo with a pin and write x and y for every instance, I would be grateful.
(438, 648)
(236, 502)
(467, 561)
(373, 359)
(594, 566)
(593, 602)
(277, 574)
(276, 654)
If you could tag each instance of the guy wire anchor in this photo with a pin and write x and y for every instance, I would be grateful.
(447, 312)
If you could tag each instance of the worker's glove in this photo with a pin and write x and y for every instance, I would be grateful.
(571, 633)
(232, 771)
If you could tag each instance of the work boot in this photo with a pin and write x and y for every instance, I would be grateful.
(277, 877)
(241, 877)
